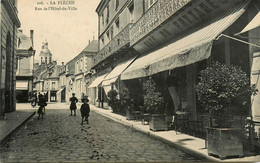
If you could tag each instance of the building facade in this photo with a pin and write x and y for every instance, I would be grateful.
(77, 70)
(25, 62)
(8, 63)
(115, 19)
(169, 41)
(61, 94)
(47, 75)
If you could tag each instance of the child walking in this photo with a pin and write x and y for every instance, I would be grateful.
(84, 109)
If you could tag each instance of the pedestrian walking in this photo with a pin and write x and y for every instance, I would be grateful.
(42, 103)
(84, 109)
(73, 103)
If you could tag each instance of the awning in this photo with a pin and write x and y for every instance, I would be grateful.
(254, 23)
(190, 49)
(97, 81)
(21, 85)
(114, 74)
(60, 91)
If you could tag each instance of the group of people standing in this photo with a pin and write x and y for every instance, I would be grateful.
(84, 109)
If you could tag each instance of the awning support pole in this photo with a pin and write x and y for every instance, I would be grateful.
(233, 38)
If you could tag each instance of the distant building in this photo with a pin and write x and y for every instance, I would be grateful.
(8, 60)
(47, 75)
(77, 71)
(45, 54)
(61, 94)
(25, 61)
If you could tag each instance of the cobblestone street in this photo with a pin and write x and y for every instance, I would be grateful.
(60, 137)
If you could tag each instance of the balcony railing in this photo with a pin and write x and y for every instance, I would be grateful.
(157, 14)
(118, 42)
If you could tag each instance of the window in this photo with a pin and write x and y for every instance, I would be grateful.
(102, 40)
(81, 65)
(108, 35)
(117, 23)
(117, 4)
(50, 60)
(112, 32)
(46, 59)
(131, 11)
(107, 19)
(52, 85)
(102, 19)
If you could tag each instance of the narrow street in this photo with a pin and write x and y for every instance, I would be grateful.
(60, 137)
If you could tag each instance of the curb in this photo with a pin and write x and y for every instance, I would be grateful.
(175, 145)
(4, 140)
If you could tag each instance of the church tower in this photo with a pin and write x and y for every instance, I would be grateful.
(45, 54)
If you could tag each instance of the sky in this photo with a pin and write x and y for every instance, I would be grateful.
(67, 31)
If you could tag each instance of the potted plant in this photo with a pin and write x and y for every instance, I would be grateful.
(127, 102)
(114, 102)
(154, 103)
(224, 92)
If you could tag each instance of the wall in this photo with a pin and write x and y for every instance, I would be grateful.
(122, 13)
(7, 84)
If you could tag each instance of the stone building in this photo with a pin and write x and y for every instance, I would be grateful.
(9, 24)
(61, 94)
(25, 62)
(77, 70)
(115, 19)
(47, 75)
(173, 41)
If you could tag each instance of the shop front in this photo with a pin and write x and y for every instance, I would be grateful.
(175, 68)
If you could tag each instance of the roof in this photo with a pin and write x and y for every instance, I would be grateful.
(24, 42)
(92, 47)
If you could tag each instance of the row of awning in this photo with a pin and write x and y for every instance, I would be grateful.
(109, 78)
(189, 49)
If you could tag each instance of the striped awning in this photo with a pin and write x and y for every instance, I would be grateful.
(254, 23)
(114, 74)
(194, 47)
(97, 81)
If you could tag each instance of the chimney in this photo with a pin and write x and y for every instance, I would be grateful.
(88, 41)
(31, 36)
(62, 63)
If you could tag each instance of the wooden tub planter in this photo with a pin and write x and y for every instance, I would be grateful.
(224, 142)
(158, 122)
(130, 114)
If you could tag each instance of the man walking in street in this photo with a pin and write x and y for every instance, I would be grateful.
(73, 103)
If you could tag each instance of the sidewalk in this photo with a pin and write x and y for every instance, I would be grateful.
(189, 144)
(12, 122)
